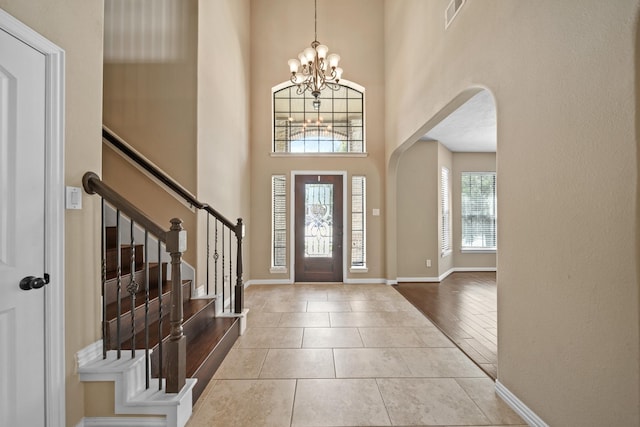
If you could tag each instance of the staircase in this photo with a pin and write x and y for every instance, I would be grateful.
(209, 338)
(161, 344)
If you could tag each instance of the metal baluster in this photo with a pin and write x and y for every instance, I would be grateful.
(103, 275)
(132, 288)
(207, 281)
(159, 315)
(215, 258)
(147, 368)
(239, 290)
(231, 294)
(223, 293)
(118, 283)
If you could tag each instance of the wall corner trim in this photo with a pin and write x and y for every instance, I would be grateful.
(518, 406)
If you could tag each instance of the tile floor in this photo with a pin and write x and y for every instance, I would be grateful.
(345, 355)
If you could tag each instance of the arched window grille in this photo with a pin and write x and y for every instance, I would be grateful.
(335, 126)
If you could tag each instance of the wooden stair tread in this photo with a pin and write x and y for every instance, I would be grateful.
(201, 347)
(189, 309)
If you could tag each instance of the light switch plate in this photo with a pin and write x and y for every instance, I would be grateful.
(74, 198)
(376, 212)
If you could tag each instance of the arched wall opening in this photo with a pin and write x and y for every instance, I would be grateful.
(459, 142)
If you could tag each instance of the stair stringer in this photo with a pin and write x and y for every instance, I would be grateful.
(131, 395)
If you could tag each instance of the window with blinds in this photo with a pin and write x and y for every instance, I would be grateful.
(278, 221)
(358, 222)
(478, 209)
(445, 225)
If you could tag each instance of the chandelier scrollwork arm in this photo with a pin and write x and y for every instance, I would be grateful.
(315, 69)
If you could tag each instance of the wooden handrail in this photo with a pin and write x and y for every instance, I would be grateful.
(144, 163)
(93, 185)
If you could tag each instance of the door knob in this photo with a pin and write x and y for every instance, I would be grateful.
(32, 282)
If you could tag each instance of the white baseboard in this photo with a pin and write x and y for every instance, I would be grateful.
(417, 279)
(462, 269)
(519, 407)
(443, 275)
(372, 281)
(122, 422)
(267, 282)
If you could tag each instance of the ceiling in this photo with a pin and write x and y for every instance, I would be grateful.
(470, 128)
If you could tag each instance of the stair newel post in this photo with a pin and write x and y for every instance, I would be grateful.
(177, 345)
(239, 294)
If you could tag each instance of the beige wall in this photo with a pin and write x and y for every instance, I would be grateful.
(150, 96)
(418, 222)
(562, 74)
(61, 23)
(223, 161)
(280, 29)
(468, 162)
(150, 102)
(419, 211)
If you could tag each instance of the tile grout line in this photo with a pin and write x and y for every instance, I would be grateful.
(384, 402)
(473, 400)
(293, 403)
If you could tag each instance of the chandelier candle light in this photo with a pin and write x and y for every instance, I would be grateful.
(319, 71)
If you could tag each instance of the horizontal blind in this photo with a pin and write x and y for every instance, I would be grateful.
(358, 221)
(478, 210)
(279, 221)
(445, 198)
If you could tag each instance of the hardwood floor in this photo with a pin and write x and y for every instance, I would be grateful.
(464, 307)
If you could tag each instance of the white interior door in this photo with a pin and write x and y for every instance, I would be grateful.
(22, 233)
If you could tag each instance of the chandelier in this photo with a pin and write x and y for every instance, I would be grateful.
(319, 71)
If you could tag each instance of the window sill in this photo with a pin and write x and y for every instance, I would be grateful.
(278, 270)
(446, 253)
(358, 270)
(477, 251)
(272, 154)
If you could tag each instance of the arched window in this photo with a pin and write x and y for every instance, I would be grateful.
(336, 125)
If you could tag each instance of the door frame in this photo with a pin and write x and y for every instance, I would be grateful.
(55, 386)
(292, 213)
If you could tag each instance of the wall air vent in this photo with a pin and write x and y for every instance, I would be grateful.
(452, 11)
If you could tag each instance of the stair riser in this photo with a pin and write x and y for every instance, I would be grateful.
(125, 317)
(125, 322)
(125, 259)
(111, 285)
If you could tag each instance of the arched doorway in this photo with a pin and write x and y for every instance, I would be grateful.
(446, 223)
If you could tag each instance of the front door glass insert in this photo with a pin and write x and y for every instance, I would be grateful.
(318, 207)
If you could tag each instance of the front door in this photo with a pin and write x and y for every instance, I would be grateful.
(318, 228)
(22, 228)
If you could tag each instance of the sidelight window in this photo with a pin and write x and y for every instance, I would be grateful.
(278, 222)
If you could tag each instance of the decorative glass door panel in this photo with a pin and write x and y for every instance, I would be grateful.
(318, 209)
(318, 228)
